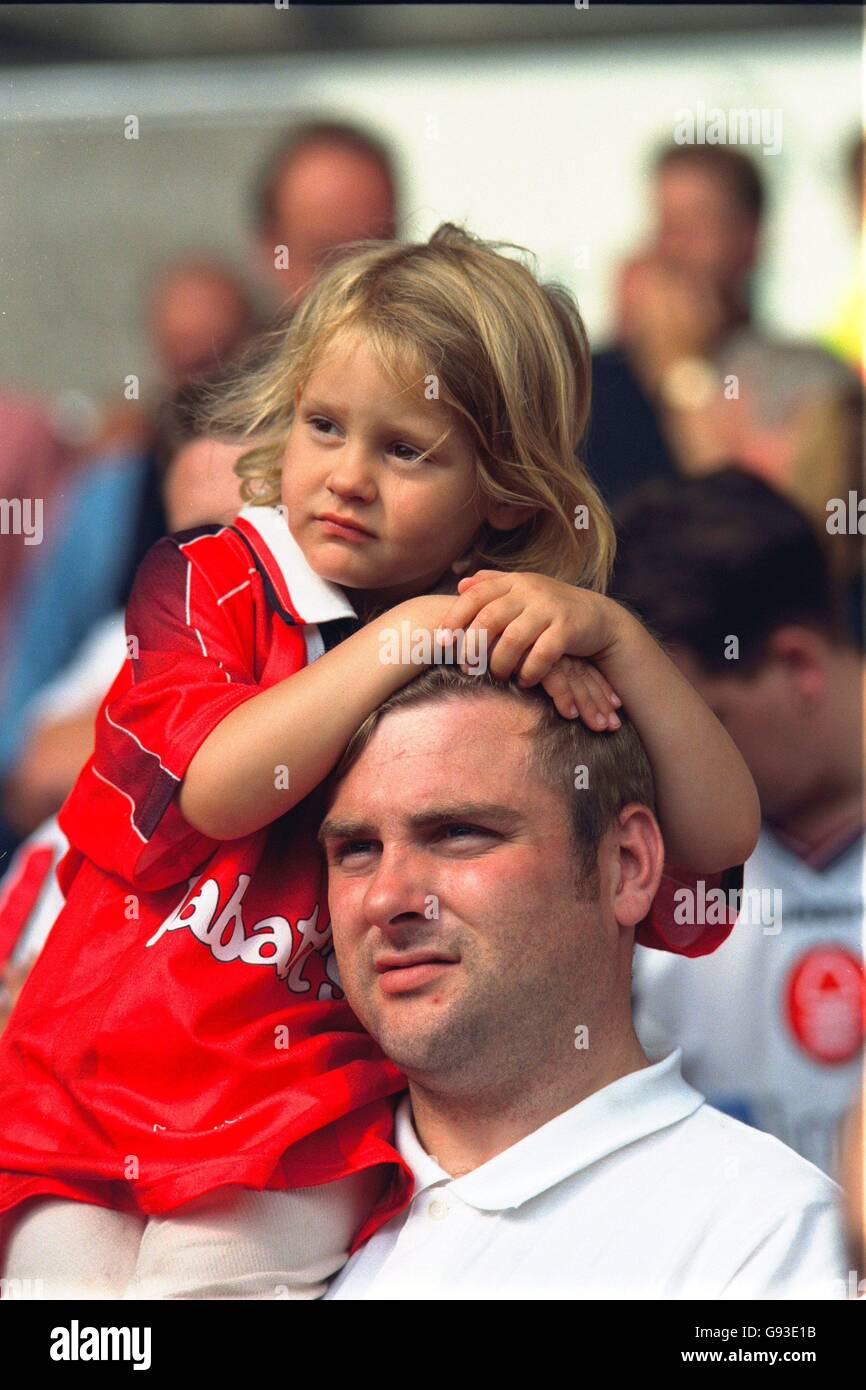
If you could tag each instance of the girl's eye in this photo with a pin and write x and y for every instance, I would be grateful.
(320, 423)
(403, 459)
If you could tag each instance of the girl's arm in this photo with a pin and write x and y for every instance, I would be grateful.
(707, 802)
(233, 785)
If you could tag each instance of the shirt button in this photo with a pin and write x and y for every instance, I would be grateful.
(437, 1209)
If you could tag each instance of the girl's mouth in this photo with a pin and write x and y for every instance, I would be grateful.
(343, 528)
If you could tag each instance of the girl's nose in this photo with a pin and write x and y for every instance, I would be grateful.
(352, 476)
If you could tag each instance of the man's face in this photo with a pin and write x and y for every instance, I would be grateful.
(700, 230)
(352, 453)
(327, 196)
(462, 942)
(763, 715)
(198, 320)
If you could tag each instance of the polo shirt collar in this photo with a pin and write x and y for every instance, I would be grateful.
(308, 597)
(629, 1109)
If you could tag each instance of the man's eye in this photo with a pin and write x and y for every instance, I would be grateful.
(351, 847)
(464, 832)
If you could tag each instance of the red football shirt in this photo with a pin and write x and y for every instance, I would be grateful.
(184, 1027)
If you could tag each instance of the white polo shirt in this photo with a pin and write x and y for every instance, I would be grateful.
(640, 1191)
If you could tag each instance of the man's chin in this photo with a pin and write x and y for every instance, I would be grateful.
(421, 1038)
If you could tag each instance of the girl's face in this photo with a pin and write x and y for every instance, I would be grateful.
(366, 514)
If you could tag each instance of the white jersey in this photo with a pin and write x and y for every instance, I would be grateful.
(771, 1025)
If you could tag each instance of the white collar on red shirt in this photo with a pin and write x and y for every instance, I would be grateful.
(636, 1105)
(314, 599)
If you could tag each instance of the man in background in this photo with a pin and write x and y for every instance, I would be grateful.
(677, 300)
(326, 183)
(737, 584)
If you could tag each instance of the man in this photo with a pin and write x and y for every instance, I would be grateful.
(678, 300)
(326, 183)
(484, 912)
(772, 1024)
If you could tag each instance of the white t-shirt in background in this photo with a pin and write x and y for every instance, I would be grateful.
(771, 1024)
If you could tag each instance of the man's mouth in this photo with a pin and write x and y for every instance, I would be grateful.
(411, 970)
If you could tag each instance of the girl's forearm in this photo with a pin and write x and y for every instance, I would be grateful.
(271, 751)
(707, 802)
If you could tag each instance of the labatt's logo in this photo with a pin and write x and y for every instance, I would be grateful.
(272, 941)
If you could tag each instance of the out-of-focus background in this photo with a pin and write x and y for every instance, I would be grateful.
(175, 177)
(534, 124)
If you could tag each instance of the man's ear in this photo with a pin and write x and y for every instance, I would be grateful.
(638, 860)
(506, 516)
(803, 653)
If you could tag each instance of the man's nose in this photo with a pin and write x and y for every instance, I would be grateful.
(400, 891)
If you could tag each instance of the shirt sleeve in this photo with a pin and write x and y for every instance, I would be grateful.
(801, 1257)
(692, 914)
(188, 665)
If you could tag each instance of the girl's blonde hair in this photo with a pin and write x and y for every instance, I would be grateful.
(507, 354)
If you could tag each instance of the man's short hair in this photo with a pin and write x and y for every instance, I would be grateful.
(735, 170)
(304, 136)
(701, 559)
(616, 769)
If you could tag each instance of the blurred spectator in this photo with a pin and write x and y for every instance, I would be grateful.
(676, 302)
(690, 383)
(199, 316)
(197, 485)
(325, 184)
(853, 1180)
(737, 584)
(846, 334)
(776, 390)
(35, 463)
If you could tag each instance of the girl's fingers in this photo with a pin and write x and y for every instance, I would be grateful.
(470, 579)
(461, 612)
(483, 633)
(515, 641)
(557, 685)
(590, 699)
(606, 687)
(543, 655)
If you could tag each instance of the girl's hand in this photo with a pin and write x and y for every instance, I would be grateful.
(578, 688)
(541, 628)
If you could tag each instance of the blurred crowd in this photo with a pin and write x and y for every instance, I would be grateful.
(720, 449)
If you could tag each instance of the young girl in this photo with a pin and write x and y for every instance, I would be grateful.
(189, 1107)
